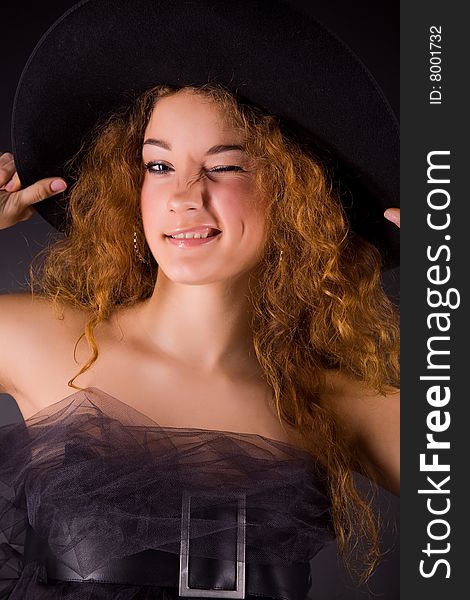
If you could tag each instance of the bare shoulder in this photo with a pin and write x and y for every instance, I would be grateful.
(346, 393)
(32, 334)
(371, 422)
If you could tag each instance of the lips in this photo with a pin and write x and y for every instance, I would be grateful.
(193, 241)
(208, 230)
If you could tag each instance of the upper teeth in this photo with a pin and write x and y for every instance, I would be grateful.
(190, 235)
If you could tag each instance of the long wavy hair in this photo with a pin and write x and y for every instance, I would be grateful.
(321, 307)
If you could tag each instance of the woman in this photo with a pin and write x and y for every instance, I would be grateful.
(274, 327)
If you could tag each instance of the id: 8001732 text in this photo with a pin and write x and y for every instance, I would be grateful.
(435, 64)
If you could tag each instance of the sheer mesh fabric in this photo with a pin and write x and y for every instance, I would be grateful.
(100, 480)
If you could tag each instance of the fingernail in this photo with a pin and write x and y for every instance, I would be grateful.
(58, 185)
(10, 185)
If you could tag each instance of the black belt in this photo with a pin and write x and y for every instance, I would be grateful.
(193, 576)
(208, 577)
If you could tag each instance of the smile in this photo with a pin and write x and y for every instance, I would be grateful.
(196, 235)
(191, 240)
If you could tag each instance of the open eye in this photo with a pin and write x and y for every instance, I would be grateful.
(157, 168)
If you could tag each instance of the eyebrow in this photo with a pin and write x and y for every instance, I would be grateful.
(214, 150)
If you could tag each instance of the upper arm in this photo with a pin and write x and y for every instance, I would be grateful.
(371, 423)
(378, 440)
(25, 330)
(13, 314)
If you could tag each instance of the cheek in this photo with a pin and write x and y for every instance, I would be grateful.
(145, 196)
(240, 201)
(152, 216)
(151, 198)
(245, 218)
(255, 222)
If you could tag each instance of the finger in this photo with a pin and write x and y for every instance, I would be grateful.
(38, 191)
(14, 184)
(393, 215)
(7, 168)
(5, 156)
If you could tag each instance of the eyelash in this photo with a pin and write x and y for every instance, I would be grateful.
(222, 169)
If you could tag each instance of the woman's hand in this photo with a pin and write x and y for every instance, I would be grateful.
(393, 215)
(15, 203)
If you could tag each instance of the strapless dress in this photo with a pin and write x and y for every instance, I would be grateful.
(98, 501)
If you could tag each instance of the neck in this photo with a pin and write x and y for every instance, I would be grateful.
(206, 327)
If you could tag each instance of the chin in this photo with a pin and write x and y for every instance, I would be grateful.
(188, 275)
(191, 276)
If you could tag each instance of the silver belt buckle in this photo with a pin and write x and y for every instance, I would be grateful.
(184, 589)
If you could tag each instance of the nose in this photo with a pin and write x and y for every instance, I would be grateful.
(186, 199)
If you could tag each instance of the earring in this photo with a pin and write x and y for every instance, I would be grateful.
(137, 251)
(280, 255)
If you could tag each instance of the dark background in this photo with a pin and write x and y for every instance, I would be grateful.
(371, 29)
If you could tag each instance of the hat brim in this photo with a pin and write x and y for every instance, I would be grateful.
(101, 53)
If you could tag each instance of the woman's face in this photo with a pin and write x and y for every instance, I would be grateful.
(199, 180)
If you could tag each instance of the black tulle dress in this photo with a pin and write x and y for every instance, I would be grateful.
(97, 501)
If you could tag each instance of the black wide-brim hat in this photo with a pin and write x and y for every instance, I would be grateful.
(102, 53)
